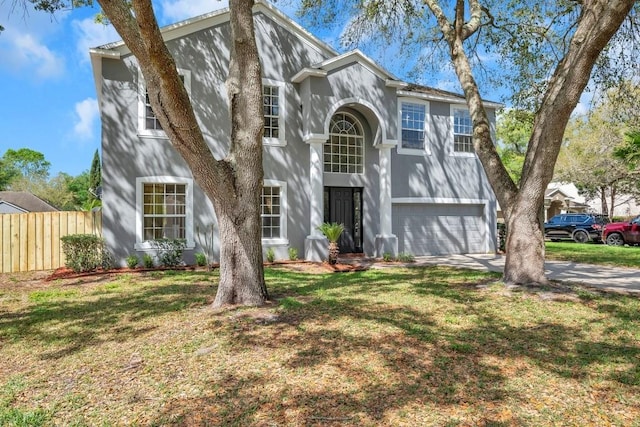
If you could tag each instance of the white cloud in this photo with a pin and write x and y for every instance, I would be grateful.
(91, 34)
(25, 51)
(178, 10)
(86, 115)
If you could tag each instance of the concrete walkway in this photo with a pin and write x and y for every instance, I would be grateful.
(617, 279)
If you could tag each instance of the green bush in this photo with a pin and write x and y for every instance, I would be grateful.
(85, 252)
(132, 261)
(147, 261)
(201, 259)
(169, 251)
(387, 257)
(293, 254)
(271, 255)
(406, 257)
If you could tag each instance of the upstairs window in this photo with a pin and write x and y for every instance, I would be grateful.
(462, 131)
(148, 123)
(413, 127)
(344, 151)
(273, 110)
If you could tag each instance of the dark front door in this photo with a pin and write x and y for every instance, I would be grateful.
(344, 206)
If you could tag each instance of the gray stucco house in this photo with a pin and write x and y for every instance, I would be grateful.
(344, 141)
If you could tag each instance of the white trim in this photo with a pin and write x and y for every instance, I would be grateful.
(221, 16)
(142, 90)
(16, 207)
(347, 101)
(284, 214)
(452, 99)
(395, 84)
(142, 245)
(426, 150)
(359, 57)
(282, 99)
(438, 200)
(451, 134)
(303, 74)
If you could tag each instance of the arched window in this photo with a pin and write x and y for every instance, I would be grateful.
(344, 151)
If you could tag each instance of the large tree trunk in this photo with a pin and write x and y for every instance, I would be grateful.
(598, 22)
(233, 184)
(241, 265)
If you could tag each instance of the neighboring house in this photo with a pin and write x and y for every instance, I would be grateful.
(22, 202)
(344, 141)
(563, 198)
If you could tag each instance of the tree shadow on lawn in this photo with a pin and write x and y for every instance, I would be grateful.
(340, 372)
(61, 327)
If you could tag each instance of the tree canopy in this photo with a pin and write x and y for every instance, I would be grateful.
(546, 52)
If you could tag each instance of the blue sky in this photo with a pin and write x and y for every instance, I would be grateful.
(48, 93)
(47, 90)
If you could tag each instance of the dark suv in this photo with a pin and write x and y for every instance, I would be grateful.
(579, 227)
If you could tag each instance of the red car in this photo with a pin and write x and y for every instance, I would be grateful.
(622, 233)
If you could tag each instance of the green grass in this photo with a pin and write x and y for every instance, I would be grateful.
(392, 347)
(594, 253)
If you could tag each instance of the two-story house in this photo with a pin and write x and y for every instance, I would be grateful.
(344, 141)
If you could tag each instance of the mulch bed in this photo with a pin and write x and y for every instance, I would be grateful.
(63, 273)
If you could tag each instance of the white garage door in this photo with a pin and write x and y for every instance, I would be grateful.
(438, 229)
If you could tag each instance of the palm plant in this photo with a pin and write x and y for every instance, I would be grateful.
(332, 232)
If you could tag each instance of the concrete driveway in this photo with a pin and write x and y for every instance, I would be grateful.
(618, 279)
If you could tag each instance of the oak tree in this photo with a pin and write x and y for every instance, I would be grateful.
(549, 50)
(233, 183)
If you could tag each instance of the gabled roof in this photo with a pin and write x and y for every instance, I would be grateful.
(433, 94)
(201, 22)
(25, 201)
(352, 57)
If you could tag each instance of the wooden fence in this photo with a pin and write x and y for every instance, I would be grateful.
(31, 241)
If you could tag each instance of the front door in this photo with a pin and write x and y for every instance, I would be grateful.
(344, 206)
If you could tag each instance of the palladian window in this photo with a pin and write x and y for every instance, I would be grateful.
(344, 151)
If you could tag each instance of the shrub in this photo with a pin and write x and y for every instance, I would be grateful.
(271, 255)
(406, 257)
(84, 252)
(387, 257)
(201, 259)
(132, 261)
(293, 254)
(205, 240)
(147, 261)
(169, 251)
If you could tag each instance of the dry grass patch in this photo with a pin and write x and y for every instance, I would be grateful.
(419, 346)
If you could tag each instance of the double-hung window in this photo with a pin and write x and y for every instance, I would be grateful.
(273, 109)
(273, 211)
(164, 210)
(148, 123)
(462, 131)
(413, 116)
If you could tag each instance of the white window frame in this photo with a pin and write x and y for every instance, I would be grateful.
(280, 141)
(144, 245)
(361, 137)
(452, 152)
(427, 127)
(284, 209)
(142, 106)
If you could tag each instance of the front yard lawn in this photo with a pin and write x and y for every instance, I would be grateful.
(392, 347)
(594, 253)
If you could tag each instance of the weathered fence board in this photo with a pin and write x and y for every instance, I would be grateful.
(31, 241)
